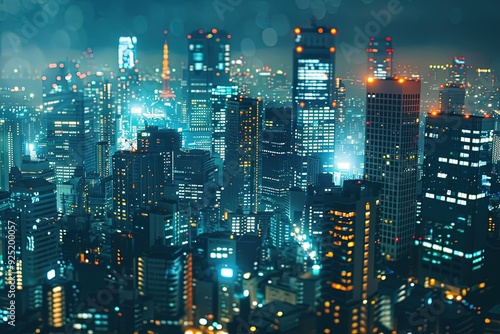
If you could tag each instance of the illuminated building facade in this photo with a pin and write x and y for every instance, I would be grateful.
(313, 100)
(220, 95)
(458, 71)
(166, 91)
(380, 57)
(348, 256)
(35, 205)
(454, 218)
(138, 181)
(277, 153)
(163, 274)
(195, 175)
(127, 52)
(391, 158)
(70, 134)
(11, 148)
(242, 166)
(208, 67)
(168, 142)
(59, 299)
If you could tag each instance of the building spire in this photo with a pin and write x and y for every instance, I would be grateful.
(166, 91)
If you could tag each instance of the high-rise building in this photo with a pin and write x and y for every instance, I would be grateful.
(313, 100)
(168, 142)
(70, 134)
(195, 175)
(458, 71)
(163, 274)
(38, 235)
(277, 153)
(208, 67)
(242, 167)
(380, 57)
(454, 218)
(59, 302)
(138, 182)
(348, 256)
(452, 99)
(220, 95)
(11, 149)
(391, 152)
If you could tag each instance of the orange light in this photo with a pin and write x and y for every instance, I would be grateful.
(434, 113)
(333, 31)
(401, 80)
(320, 30)
(370, 79)
(297, 31)
(467, 116)
(189, 36)
(302, 104)
(334, 103)
(214, 31)
(332, 49)
(299, 49)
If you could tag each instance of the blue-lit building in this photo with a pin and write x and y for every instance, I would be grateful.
(313, 100)
(380, 57)
(208, 67)
(454, 218)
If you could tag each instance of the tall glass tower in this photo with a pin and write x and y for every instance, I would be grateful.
(208, 67)
(313, 101)
(391, 151)
(454, 221)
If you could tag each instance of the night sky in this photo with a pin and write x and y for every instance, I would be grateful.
(423, 31)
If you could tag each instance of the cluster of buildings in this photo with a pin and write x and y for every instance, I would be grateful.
(230, 199)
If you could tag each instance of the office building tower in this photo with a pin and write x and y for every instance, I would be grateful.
(277, 153)
(454, 218)
(138, 182)
(107, 113)
(168, 142)
(163, 274)
(103, 161)
(220, 95)
(208, 67)
(280, 229)
(38, 224)
(313, 100)
(458, 71)
(348, 254)
(242, 167)
(70, 134)
(195, 175)
(452, 99)
(11, 148)
(241, 224)
(127, 52)
(380, 57)
(391, 150)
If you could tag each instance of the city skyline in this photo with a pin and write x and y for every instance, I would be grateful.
(313, 166)
(259, 30)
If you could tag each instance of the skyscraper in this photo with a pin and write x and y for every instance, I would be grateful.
(38, 227)
(380, 57)
(348, 254)
(242, 167)
(458, 71)
(70, 134)
(313, 100)
(277, 153)
(138, 181)
(391, 151)
(452, 99)
(454, 218)
(11, 148)
(208, 67)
